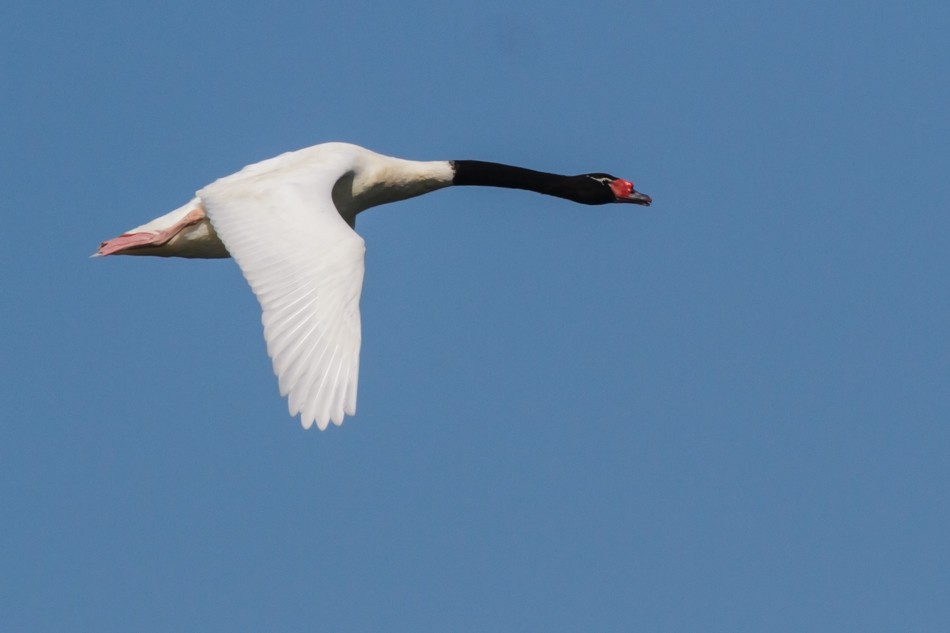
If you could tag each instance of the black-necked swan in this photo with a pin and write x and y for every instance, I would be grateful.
(288, 222)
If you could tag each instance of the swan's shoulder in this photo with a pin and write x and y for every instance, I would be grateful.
(331, 160)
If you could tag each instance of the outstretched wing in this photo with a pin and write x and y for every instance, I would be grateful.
(305, 265)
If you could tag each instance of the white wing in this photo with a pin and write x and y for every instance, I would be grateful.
(305, 264)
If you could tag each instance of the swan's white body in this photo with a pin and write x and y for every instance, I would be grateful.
(287, 221)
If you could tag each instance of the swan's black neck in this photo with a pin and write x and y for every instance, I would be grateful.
(486, 174)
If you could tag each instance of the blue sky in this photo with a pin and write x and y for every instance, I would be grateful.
(727, 412)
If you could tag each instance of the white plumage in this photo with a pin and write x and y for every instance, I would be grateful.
(306, 267)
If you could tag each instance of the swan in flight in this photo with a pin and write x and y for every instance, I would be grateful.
(288, 222)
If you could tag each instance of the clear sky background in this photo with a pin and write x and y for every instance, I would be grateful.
(727, 412)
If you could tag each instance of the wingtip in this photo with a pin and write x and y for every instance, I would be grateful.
(321, 424)
(309, 423)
